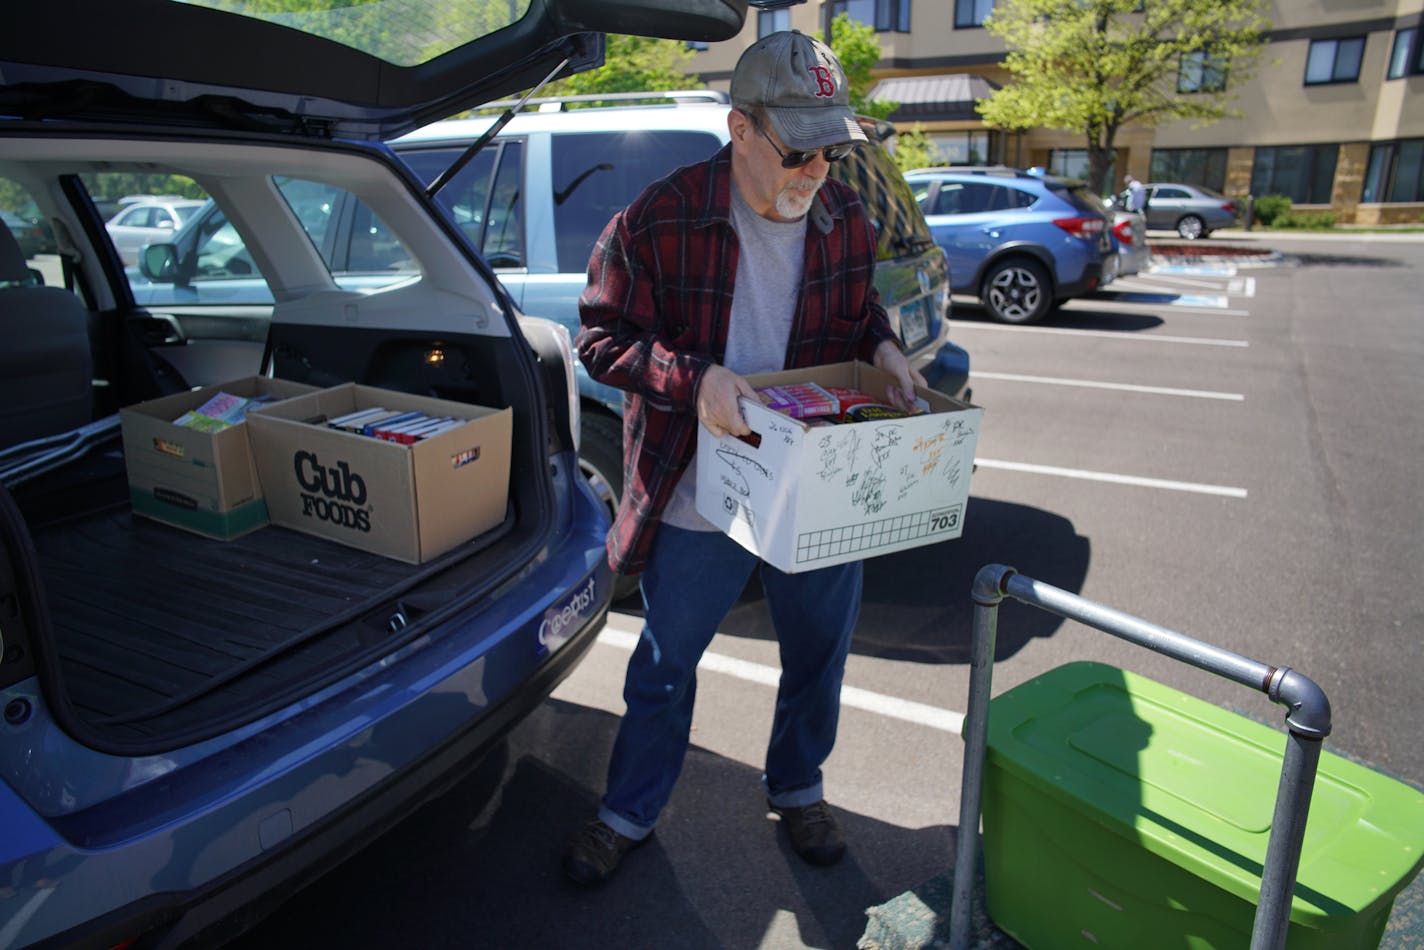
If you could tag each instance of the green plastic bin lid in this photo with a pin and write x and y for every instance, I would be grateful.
(1196, 785)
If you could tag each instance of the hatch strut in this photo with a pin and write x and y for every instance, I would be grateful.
(444, 177)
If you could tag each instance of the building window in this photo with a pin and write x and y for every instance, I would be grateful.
(772, 21)
(963, 148)
(1395, 172)
(1191, 166)
(883, 16)
(1073, 163)
(697, 46)
(1303, 173)
(1399, 56)
(1334, 60)
(1201, 72)
(971, 12)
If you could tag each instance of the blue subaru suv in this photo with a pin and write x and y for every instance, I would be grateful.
(193, 727)
(1020, 242)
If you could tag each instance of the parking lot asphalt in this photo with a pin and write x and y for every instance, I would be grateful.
(1226, 451)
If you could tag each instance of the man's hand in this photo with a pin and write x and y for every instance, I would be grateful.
(717, 407)
(890, 359)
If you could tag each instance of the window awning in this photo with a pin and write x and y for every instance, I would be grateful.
(931, 98)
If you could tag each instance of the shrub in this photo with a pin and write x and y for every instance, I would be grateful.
(1268, 208)
(1304, 220)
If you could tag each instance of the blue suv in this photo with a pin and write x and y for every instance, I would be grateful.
(1020, 242)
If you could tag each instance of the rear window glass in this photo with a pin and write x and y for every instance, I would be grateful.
(1082, 198)
(900, 228)
(596, 174)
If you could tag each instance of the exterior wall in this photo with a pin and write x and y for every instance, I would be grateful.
(1277, 107)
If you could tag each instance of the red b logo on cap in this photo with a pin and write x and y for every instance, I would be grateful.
(825, 88)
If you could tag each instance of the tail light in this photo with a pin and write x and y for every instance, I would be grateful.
(1123, 230)
(1081, 227)
(1229, 208)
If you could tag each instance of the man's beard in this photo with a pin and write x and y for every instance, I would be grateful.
(794, 200)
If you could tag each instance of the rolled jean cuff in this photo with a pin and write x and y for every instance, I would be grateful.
(622, 825)
(794, 798)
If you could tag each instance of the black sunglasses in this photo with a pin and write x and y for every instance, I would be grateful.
(798, 157)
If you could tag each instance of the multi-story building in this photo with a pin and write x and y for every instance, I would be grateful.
(1333, 117)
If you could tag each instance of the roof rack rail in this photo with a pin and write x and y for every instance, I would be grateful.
(675, 96)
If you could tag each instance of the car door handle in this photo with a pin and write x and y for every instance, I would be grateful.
(159, 329)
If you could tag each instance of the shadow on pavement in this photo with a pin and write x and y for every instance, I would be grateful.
(1074, 319)
(916, 605)
(479, 867)
(1340, 260)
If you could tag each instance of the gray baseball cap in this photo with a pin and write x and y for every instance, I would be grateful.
(799, 83)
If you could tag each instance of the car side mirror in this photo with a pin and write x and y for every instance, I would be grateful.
(159, 262)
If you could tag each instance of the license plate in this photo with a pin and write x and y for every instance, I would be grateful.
(914, 323)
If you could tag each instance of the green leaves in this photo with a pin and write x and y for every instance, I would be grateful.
(1093, 66)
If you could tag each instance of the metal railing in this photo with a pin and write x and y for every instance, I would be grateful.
(1308, 721)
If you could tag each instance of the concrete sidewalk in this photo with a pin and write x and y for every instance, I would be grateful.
(1406, 233)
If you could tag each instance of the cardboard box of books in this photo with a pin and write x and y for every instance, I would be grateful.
(189, 461)
(811, 488)
(396, 474)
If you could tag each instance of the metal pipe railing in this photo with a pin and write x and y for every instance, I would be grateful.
(1308, 721)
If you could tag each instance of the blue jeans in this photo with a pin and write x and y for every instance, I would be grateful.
(692, 579)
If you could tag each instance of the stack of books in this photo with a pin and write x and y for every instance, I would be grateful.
(220, 412)
(394, 425)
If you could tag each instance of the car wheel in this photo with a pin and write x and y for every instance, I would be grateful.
(1191, 227)
(1017, 291)
(601, 462)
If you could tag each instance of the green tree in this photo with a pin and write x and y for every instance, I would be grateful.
(632, 64)
(1094, 66)
(913, 149)
(858, 48)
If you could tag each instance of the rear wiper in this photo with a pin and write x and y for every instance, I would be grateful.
(445, 177)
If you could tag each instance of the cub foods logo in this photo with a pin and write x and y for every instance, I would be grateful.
(335, 494)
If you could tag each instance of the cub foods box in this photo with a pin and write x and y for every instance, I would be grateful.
(408, 502)
(802, 496)
(202, 481)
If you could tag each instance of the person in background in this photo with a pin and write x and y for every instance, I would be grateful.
(1136, 195)
(749, 262)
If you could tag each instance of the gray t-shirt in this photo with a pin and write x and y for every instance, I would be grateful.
(769, 266)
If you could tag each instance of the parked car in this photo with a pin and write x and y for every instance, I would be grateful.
(1131, 255)
(195, 728)
(1193, 211)
(144, 221)
(534, 201)
(1020, 242)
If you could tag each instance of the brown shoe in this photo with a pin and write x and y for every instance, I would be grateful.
(815, 833)
(593, 853)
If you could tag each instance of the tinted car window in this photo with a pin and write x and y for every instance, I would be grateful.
(596, 174)
(1171, 193)
(484, 197)
(888, 199)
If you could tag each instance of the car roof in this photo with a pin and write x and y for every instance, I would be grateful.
(351, 70)
(710, 116)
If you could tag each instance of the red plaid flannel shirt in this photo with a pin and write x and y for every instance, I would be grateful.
(657, 305)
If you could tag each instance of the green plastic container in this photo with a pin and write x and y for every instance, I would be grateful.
(1119, 812)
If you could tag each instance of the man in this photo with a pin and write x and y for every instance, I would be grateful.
(1136, 195)
(750, 262)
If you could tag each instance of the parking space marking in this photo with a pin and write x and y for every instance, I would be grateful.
(1105, 334)
(1136, 480)
(1095, 384)
(1195, 270)
(622, 632)
(1190, 305)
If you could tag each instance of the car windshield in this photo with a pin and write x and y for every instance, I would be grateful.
(401, 32)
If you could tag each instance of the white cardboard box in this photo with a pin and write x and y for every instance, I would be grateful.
(805, 497)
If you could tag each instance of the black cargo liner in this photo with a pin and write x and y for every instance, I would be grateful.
(160, 632)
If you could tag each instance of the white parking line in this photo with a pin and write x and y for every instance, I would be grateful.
(1098, 303)
(1168, 484)
(622, 632)
(1093, 384)
(1105, 334)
